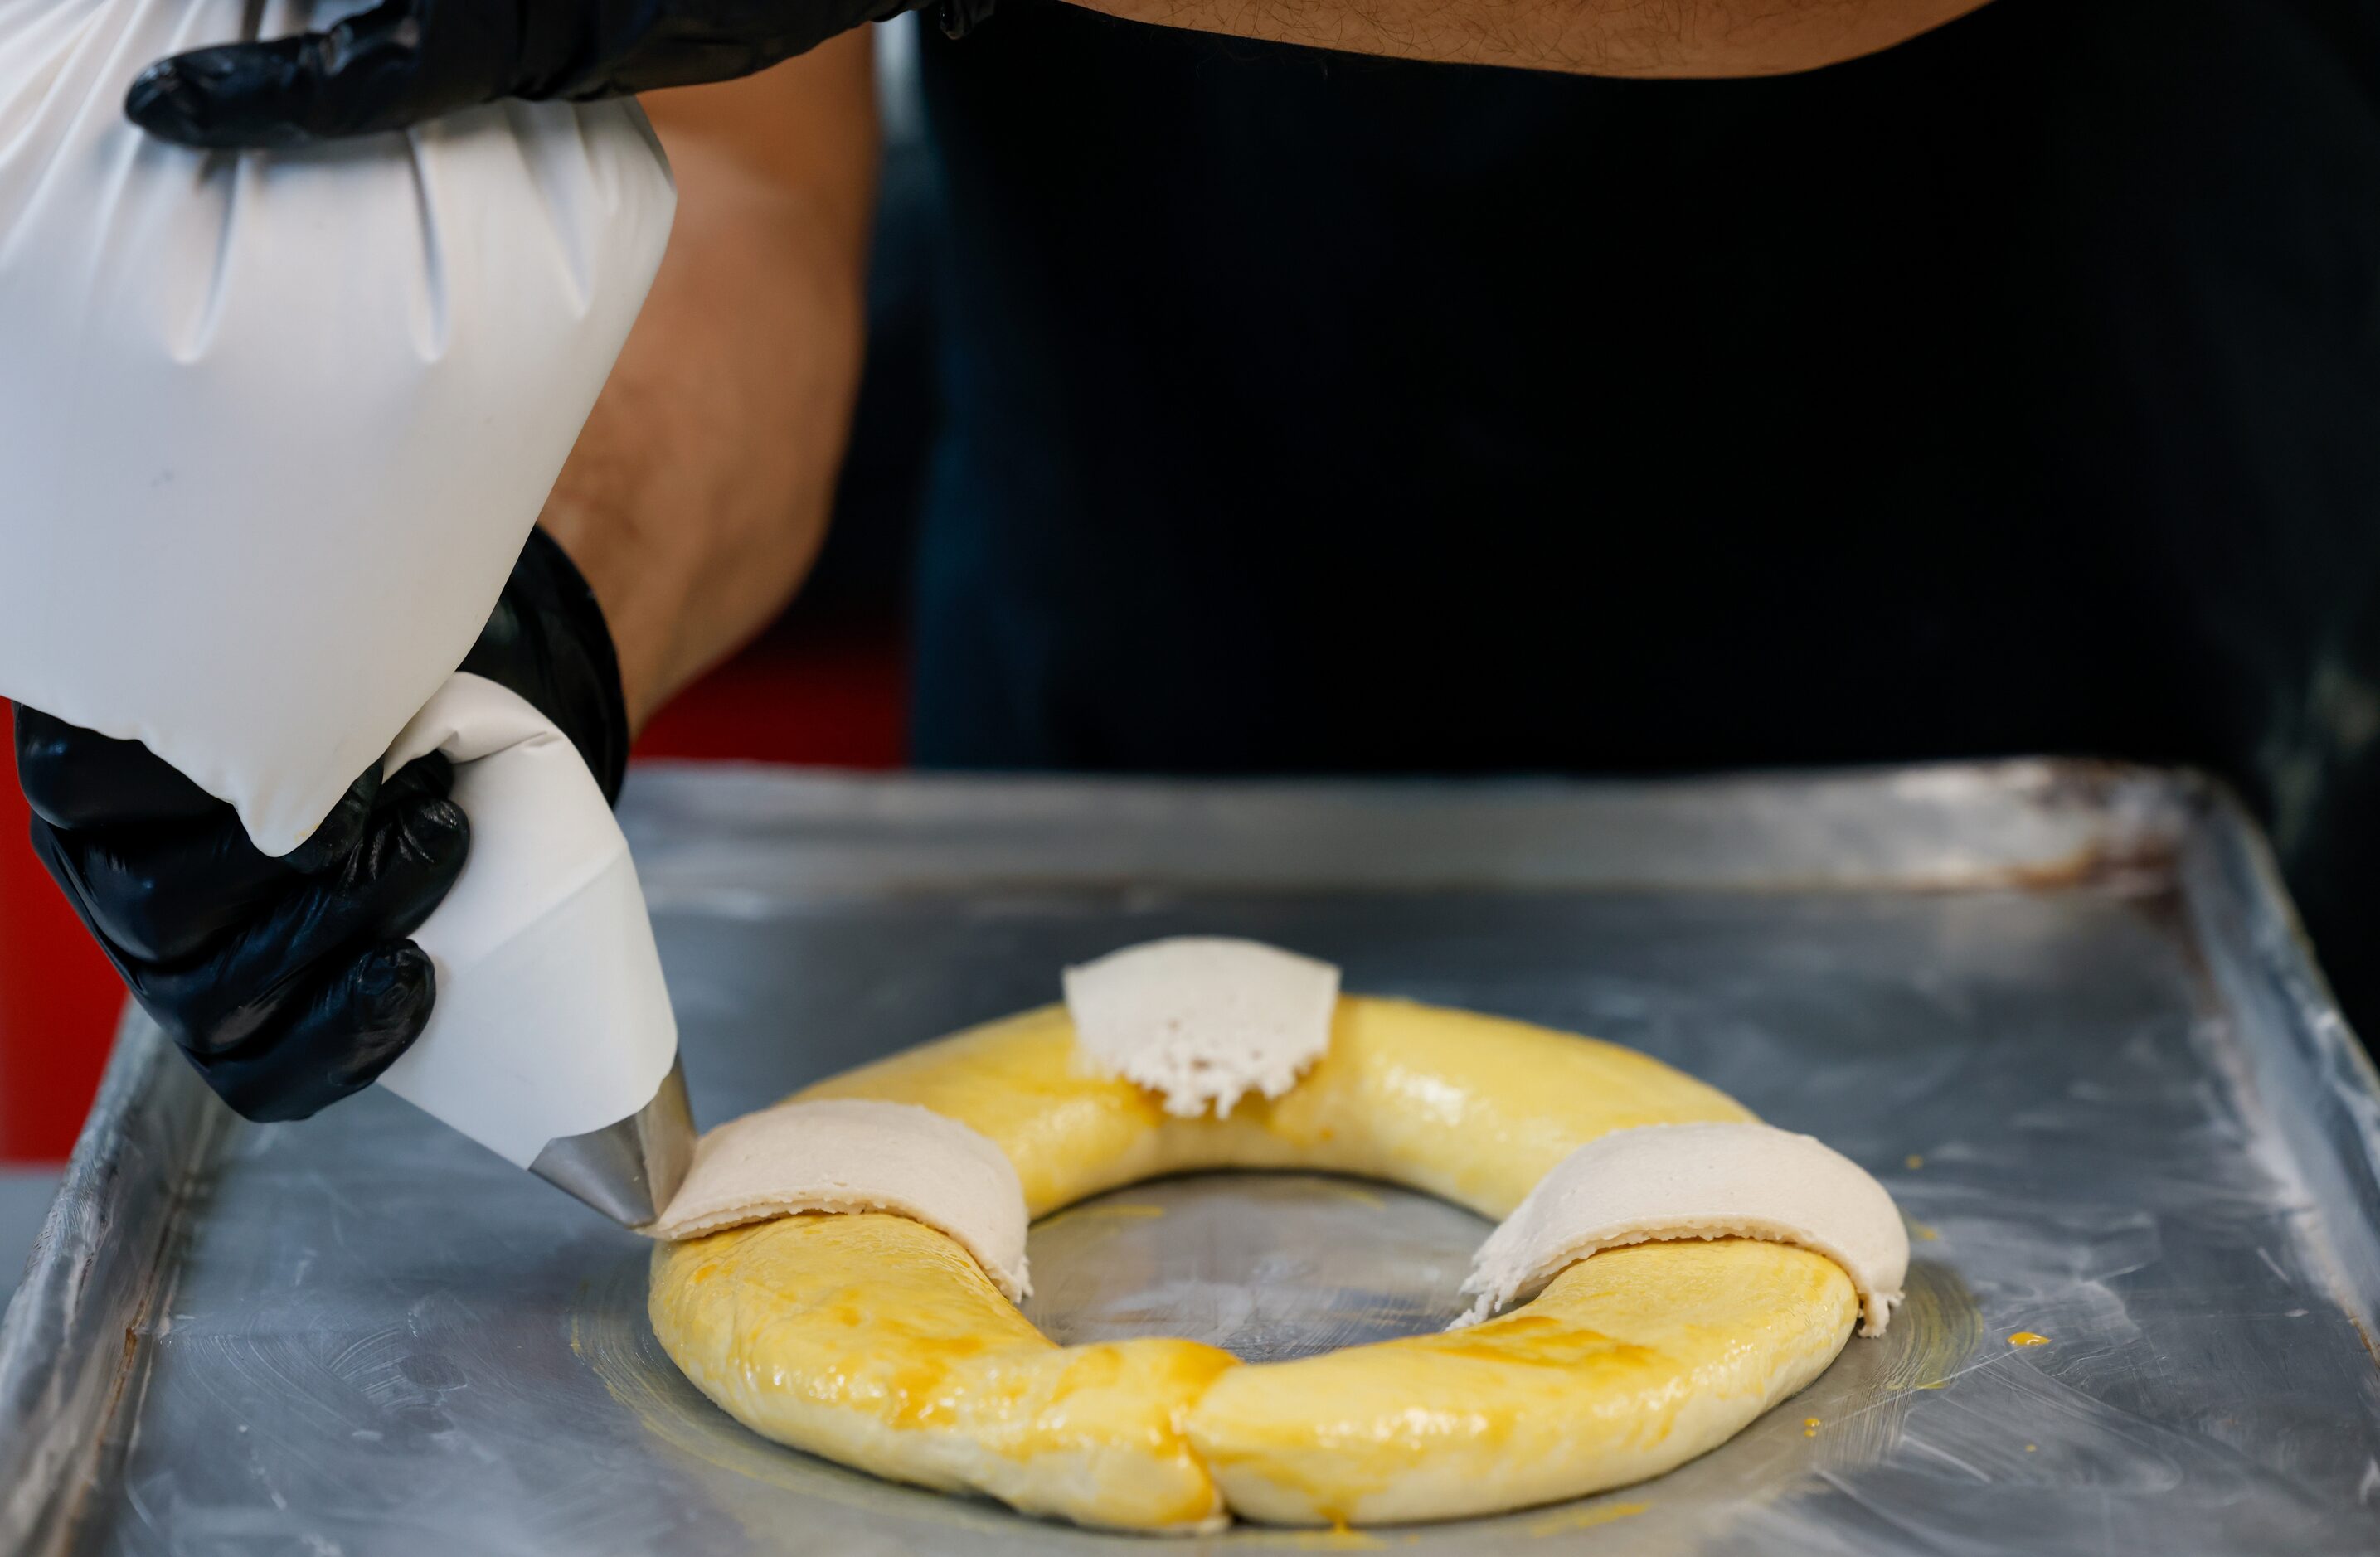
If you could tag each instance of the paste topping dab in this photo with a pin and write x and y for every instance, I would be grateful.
(1203, 1020)
(1661, 1182)
(851, 1155)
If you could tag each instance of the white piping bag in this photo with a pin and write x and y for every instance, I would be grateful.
(273, 429)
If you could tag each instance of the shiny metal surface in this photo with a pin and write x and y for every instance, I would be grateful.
(2061, 1011)
(628, 1169)
(69, 1348)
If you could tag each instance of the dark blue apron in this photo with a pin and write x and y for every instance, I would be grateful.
(2015, 391)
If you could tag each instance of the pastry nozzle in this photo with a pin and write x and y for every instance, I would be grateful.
(629, 1168)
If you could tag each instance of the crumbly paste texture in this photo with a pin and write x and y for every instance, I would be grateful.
(881, 1342)
(1203, 1020)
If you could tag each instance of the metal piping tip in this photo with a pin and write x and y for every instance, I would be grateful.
(628, 1169)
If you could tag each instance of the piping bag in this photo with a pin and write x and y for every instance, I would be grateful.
(273, 429)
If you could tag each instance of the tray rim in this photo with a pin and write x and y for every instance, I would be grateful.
(2046, 822)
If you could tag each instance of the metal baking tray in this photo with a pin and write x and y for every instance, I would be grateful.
(2063, 1010)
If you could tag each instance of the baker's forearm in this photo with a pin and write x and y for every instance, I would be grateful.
(696, 498)
(1644, 38)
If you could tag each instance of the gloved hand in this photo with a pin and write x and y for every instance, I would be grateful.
(406, 60)
(289, 981)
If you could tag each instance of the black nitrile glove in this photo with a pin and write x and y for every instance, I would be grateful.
(547, 640)
(289, 981)
(406, 60)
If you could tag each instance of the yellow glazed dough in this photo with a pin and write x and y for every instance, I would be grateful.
(1471, 1108)
(878, 1342)
(1628, 1364)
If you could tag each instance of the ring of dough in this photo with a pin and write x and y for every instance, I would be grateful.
(877, 1341)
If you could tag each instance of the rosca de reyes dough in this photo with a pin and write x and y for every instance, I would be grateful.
(841, 1271)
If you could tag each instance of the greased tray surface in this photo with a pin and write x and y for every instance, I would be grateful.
(2061, 1011)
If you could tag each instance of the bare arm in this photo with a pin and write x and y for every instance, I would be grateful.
(697, 498)
(1645, 38)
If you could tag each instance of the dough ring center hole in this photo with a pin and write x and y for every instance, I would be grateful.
(1269, 1266)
